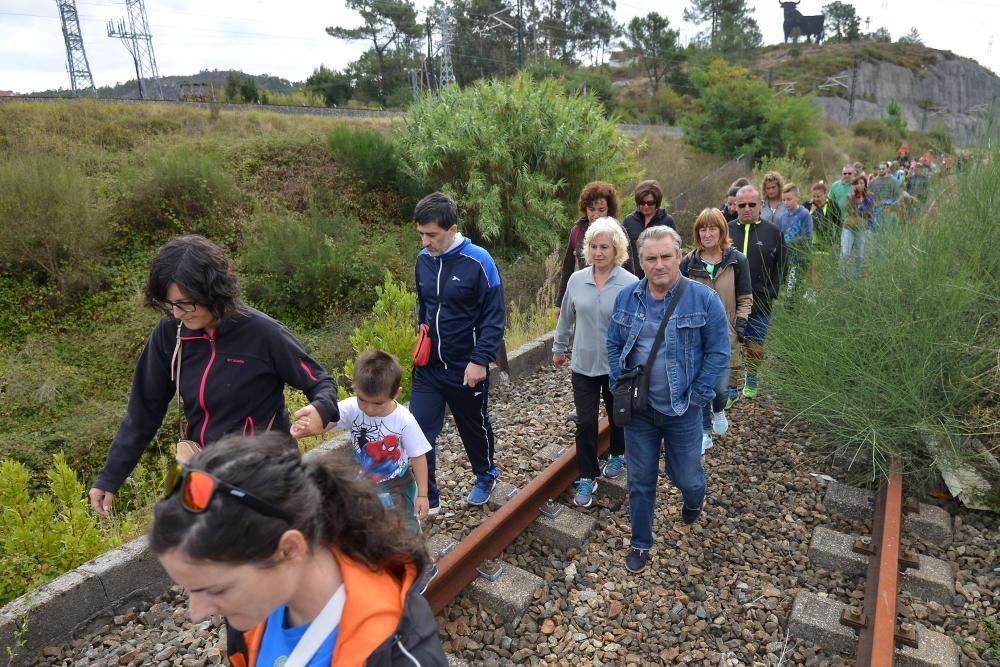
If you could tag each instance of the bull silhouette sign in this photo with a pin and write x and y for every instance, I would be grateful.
(808, 26)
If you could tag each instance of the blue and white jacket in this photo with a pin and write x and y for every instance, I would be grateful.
(469, 325)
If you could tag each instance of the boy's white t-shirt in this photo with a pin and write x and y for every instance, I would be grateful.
(383, 446)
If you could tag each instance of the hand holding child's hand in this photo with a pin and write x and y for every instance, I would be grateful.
(307, 422)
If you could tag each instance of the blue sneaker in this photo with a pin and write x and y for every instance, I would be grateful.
(614, 466)
(585, 492)
(719, 422)
(481, 492)
(750, 388)
(426, 577)
(706, 441)
(732, 395)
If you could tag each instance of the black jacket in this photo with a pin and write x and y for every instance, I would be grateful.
(634, 223)
(826, 222)
(573, 259)
(232, 383)
(765, 251)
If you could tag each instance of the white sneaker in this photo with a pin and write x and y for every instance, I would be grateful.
(706, 441)
(719, 422)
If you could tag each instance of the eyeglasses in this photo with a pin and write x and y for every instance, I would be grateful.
(183, 306)
(648, 202)
(199, 487)
(747, 205)
(847, 173)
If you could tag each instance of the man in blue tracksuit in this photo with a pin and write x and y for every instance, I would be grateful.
(459, 296)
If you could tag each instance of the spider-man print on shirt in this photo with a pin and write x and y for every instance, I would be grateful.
(376, 448)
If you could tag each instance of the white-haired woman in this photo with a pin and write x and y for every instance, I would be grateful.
(587, 305)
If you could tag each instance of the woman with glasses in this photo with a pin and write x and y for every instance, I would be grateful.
(299, 556)
(597, 200)
(648, 197)
(225, 363)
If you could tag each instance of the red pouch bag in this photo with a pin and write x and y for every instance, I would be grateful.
(422, 350)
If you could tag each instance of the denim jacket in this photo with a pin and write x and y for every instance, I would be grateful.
(696, 341)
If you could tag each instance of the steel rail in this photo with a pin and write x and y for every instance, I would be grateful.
(459, 567)
(877, 634)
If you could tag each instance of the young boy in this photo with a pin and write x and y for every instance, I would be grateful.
(797, 230)
(386, 439)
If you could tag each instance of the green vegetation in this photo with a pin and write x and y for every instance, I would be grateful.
(43, 536)
(515, 155)
(737, 113)
(882, 366)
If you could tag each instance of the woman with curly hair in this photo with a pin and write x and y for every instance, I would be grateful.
(771, 188)
(597, 200)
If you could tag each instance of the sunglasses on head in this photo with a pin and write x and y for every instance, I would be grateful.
(751, 204)
(199, 487)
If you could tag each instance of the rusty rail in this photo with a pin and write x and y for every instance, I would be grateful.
(458, 568)
(878, 634)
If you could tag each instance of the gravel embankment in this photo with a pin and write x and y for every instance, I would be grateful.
(716, 593)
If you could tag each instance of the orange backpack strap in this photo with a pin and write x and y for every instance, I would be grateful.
(243, 647)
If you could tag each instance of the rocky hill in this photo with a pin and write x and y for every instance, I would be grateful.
(930, 86)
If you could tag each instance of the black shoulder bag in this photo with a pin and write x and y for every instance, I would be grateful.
(632, 388)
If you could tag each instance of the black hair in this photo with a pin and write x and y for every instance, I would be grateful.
(437, 207)
(200, 269)
(732, 192)
(321, 494)
(378, 374)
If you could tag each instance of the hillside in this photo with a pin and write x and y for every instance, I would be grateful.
(930, 86)
(172, 84)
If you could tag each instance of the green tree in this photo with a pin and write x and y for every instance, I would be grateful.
(484, 39)
(912, 37)
(880, 35)
(893, 117)
(656, 46)
(386, 24)
(334, 87)
(731, 31)
(842, 22)
(514, 154)
(737, 113)
(569, 30)
(241, 89)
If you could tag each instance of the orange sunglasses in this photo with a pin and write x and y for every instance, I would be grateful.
(199, 487)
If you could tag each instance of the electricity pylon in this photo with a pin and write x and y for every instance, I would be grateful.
(76, 57)
(134, 33)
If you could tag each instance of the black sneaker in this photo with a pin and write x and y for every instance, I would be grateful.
(691, 515)
(636, 560)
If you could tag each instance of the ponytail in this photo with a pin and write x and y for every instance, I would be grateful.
(321, 495)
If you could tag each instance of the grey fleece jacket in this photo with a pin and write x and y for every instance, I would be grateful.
(590, 310)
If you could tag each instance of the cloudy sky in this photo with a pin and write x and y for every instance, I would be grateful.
(286, 38)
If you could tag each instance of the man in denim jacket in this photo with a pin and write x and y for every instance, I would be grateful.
(692, 357)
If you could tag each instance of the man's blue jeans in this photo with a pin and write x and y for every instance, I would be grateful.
(681, 439)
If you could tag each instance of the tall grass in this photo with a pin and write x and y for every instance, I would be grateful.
(880, 366)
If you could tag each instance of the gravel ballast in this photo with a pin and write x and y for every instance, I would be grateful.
(715, 593)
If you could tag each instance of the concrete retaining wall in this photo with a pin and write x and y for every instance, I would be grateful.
(83, 599)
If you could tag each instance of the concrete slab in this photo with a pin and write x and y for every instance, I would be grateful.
(128, 570)
(502, 493)
(616, 487)
(52, 611)
(848, 501)
(933, 580)
(441, 543)
(930, 523)
(831, 549)
(817, 619)
(508, 596)
(551, 452)
(934, 650)
(570, 528)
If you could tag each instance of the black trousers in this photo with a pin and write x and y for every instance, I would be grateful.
(587, 394)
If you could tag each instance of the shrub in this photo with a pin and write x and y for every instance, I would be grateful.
(878, 131)
(187, 191)
(43, 536)
(301, 269)
(391, 328)
(48, 220)
(367, 154)
(792, 168)
(514, 154)
(737, 113)
(881, 365)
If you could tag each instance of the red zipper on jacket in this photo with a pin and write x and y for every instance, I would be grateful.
(201, 389)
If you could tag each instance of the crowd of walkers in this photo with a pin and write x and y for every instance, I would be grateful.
(321, 561)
